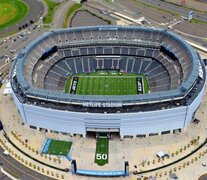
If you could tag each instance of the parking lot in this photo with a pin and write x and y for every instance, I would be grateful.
(85, 18)
(11, 46)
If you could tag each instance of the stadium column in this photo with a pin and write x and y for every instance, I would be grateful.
(134, 136)
(160, 133)
(184, 130)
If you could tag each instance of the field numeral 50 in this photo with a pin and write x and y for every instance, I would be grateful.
(101, 156)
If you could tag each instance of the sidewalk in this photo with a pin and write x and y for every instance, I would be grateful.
(31, 163)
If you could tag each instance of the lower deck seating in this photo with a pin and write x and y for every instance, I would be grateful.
(156, 73)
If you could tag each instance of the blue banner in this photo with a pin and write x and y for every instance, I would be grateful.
(100, 173)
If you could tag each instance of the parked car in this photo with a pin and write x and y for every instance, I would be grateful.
(6, 153)
(203, 164)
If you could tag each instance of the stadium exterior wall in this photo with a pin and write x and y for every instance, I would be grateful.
(193, 106)
(128, 123)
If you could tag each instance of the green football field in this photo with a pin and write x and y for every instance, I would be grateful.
(60, 148)
(11, 12)
(101, 156)
(106, 83)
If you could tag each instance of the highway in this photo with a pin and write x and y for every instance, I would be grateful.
(131, 7)
(177, 9)
(21, 171)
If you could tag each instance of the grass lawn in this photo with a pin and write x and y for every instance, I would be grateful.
(102, 150)
(72, 10)
(107, 83)
(60, 148)
(108, 1)
(198, 21)
(11, 12)
(51, 10)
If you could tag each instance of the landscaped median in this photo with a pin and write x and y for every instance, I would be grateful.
(70, 12)
(52, 6)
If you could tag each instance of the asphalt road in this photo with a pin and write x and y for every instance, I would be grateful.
(3, 176)
(131, 7)
(135, 10)
(35, 12)
(19, 43)
(20, 170)
(60, 14)
(177, 9)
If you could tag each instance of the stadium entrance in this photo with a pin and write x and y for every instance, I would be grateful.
(109, 132)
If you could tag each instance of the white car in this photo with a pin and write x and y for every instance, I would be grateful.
(203, 164)
(7, 60)
(6, 153)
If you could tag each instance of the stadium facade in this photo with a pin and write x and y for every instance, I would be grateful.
(175, 72)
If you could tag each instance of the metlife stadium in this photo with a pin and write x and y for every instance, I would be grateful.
(174, 71)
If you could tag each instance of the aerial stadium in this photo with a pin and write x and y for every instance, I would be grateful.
(133, 81)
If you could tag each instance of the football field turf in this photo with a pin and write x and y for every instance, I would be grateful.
(12, 11)
(106, 83)
(57, 147)
(101, 156)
